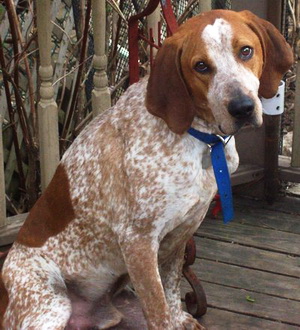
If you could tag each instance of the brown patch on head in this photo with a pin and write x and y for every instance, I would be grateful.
(243, 36)
(167, 94)
(277, 54)
(51, 213)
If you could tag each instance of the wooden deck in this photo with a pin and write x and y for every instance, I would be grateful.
(250, 268)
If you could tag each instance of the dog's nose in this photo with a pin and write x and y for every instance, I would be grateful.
(241, 107)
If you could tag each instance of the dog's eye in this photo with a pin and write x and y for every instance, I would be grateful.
(246, 53)
(201, 67)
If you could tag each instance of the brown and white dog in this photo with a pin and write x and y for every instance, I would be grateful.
(131, 189)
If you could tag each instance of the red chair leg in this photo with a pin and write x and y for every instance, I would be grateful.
(196, 300)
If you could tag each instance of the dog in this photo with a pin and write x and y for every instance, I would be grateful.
(132, 189)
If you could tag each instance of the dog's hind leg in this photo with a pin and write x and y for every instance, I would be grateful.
(38, 297)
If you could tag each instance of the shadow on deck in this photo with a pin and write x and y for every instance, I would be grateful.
(250, 268)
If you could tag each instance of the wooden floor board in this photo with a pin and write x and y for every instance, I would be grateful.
(264, 306)
(257, 256)
(264, 238)
(217, 319)
(285, 204)
(268, 219)
(248, 257)
(248, 279)
(9, 232)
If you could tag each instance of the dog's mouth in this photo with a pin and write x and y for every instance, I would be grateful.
(237, 125)
(225, 132)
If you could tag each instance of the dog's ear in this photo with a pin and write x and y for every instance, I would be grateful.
(167, 94)
(278, 55)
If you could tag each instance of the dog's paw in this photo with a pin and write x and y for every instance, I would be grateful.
(190, 323)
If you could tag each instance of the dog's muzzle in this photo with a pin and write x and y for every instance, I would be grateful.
(241, 107)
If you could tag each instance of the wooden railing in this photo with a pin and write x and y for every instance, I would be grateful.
(47, 107)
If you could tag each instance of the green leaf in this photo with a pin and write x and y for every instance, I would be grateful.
(250, 299)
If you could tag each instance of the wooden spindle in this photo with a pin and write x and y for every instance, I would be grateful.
(101, 99)
(2, 182)
(204, 5)
(47, 107)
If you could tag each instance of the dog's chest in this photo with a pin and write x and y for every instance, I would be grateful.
(169, 183)
(140, 172)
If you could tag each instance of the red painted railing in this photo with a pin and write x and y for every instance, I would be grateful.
(135, 35)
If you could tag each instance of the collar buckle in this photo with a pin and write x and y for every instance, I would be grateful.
(224, 139)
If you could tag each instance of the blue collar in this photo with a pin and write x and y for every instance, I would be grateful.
(216, 144)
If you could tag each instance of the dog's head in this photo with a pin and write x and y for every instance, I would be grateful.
(215, 67)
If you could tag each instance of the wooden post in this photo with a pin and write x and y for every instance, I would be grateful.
(296, 133)
(153, 20)
(47, 107)
(101, 95)
(204, 5)
(272, 126)
(2, 182)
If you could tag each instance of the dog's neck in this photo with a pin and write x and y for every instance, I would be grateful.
(205, 127)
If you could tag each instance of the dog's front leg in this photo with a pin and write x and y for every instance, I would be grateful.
(171, 273)
(140, 256)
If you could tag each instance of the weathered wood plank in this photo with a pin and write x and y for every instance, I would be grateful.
(263, 238)
(204, 5)
(289, 174)
(286, 171)
(284, 204)
(235, 300)
(247, 257)
(296, 133)
(268, 219)
(11, 160)
(9, 232)
(248, 279)
(101, 99)
(2, 181)
(47, 107)
(247, 173)
(216, 319)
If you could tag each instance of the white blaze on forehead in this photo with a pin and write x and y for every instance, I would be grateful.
(218, 34)
(229, 74)
(218, 40)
